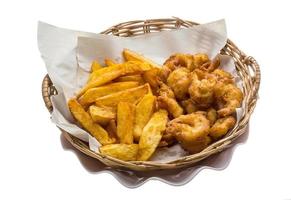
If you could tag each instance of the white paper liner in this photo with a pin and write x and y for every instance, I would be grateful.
(68, 55)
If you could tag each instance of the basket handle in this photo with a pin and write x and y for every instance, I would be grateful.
(48, 90)
(255, 74)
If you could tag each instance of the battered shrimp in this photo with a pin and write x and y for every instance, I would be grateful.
(222, 76)
(228, 98)
(210, 66)
(167, 101)
(198, 60)
(188, 61)
(189, 106)
(221, 127)
(211, 115)
(191, 131)
(179, 81)
(202, 91)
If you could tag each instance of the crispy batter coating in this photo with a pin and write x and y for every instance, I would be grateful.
(221, 127)
(167, 101)
(202, 90)
(228, 98)
(189, 106)
(179, 81)
(191, 131)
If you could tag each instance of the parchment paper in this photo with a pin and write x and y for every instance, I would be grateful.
(68, 55)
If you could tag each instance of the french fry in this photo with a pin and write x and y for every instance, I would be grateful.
(109, 62)
(87, 123)
(92, 94)
(125, 117)
(137, 78)
(143, 112)
(101, 115)
(114, 72)
(111, 128)
(152, 135)
(133, 56)
(126, 152)
(132, 95)
(95, 66)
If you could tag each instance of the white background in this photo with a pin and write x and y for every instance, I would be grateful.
(260, 169)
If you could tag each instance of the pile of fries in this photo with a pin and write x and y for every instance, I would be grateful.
(118, 108)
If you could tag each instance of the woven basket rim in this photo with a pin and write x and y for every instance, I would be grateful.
(247, 68)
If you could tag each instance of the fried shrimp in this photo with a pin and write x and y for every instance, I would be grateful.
(198, 60)
(191, 131)
(211, 115)
(221, 127)
(179, 81)
(228, 98)
(202, 90)
(222, 76)
(166, 100)
(189, 106)
(210, 66)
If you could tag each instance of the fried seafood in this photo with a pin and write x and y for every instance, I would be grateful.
(179, 81)
(228, 98)
(191, 131)
(211, 115)
(202, 90)
(167, 101)
(221, 127)
(189, 106)
(210, 66)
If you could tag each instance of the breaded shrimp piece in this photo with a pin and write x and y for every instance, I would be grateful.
(221, 127)
(228, 97)
(202, 91)
(191, 131)
(179, 81)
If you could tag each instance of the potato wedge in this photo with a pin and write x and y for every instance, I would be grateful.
(109, 62)
(132, 95)
(101, 115)
(137, 78)
(126, 152)
(152, 134)
(87, 123)
(114, 72)
(143, 112)
(92, 94)
(125, 117)
(111, 128)
(129, 55)
(95, 66)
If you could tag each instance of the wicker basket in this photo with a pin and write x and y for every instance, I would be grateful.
(246, 66)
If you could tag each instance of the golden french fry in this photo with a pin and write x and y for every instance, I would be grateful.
(92, 94)
(95, 66)
(87, 123)
(151, 77)
(126, 152)
(101, 115)
(152, 135)
(125, 117)
(109, 62)
(143, 112)
(137, 78)
(132, 95)
(101, 71)
(133, 56)
(111, 128)
(114, 72)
